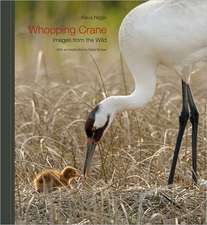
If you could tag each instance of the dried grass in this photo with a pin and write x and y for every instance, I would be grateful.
(127, 183)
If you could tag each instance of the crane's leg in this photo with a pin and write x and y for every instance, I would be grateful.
(194, 117)
(183, 119)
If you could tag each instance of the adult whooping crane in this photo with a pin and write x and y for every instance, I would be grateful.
(168, 32)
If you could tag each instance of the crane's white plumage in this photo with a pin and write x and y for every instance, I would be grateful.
(168, 32)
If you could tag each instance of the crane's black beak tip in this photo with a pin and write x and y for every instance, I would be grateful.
(91, 145)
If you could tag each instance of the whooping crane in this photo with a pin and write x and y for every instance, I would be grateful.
(168, 32)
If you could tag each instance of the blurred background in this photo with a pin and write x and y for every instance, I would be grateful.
(64, 13)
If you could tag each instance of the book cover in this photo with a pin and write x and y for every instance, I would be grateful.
(100, 112)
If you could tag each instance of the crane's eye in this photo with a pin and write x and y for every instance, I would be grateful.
(40, 181)
(89, 127)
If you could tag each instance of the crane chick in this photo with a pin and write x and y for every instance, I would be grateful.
(50, 179)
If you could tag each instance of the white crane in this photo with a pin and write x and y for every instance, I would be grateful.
(168, 32)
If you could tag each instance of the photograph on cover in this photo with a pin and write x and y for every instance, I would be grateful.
(110, 112)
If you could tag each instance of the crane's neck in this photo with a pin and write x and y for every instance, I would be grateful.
(145, 82)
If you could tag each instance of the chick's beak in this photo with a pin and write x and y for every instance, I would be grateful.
(91, 145)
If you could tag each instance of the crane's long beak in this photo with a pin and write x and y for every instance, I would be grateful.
(91, 145)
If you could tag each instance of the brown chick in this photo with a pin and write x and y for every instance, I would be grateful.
(51, 179)
(68, 174)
